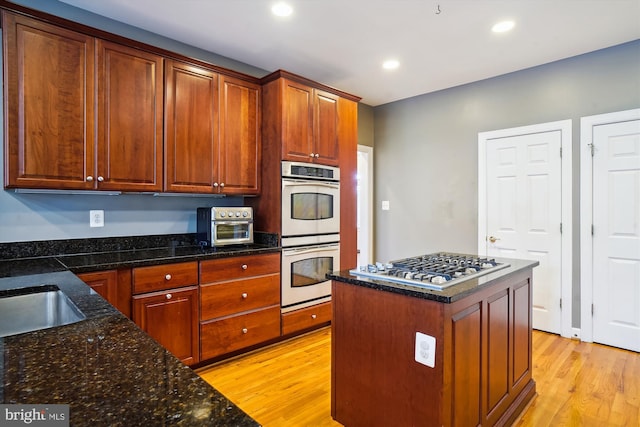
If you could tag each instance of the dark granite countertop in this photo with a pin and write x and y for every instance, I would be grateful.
(109, 371)
(447, 295)
(83, 263)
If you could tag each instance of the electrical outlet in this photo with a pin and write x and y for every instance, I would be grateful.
(96, 218)
(425, 349)
(385, 205)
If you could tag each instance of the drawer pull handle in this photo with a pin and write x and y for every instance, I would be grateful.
(245, 330)
(313, 316)
(244, 266)
(168, 296)
(167, 277)
(244, 295)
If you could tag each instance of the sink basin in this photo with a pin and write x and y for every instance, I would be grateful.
(34, 308)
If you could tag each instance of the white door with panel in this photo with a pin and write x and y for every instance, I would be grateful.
(614, 243)
(523, 210)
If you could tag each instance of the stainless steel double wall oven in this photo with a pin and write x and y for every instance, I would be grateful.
(310, 232)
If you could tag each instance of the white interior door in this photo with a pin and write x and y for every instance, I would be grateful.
(614, 269)
(365, 205)
(523, 205)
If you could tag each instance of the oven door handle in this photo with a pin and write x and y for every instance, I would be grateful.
(326, 248)
(238, 222)
(291, 183)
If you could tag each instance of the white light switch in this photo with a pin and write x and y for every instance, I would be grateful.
(425, 349)
(385, 205)
(96, 218)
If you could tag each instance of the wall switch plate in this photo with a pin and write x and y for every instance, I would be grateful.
(426, 349)
(385, 205)
(96, 218)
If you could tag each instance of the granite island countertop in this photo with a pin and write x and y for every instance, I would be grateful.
(446, 295)
(108, 370)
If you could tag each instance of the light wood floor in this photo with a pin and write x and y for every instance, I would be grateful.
(578, 384)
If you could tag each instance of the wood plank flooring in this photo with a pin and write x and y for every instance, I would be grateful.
(578, 384)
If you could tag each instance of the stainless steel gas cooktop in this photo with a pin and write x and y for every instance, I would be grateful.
(435, 271)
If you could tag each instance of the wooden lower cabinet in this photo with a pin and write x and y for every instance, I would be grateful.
(482, 375)
(166, 306)
(228, 334)
(239, 303)
(112, 285)
(171, 318)
(306, 318)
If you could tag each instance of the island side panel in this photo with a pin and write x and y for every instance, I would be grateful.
(375, 378)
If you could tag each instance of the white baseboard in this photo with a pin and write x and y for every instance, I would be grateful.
(575, 333)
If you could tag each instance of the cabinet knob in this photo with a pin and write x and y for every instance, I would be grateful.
(311, 155)
(168, 296)
(215, 184)
(222, 185)
(317, 155)
(244, 295)
(89, 178)
(100, 179)
(245, 330)
(244, 266)
(313, 316)
(167, 277)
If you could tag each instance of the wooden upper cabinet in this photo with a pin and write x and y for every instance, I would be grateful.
(191, 128)
(310, 124)
(49, 90)
(240, 138)
(130, 102)
(325, 128)
(55, 139)
(297, 121)
(212, 134)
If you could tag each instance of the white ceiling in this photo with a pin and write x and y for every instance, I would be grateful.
(342, 43)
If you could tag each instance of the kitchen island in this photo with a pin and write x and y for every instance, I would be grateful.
(405, 355)
(104, 367)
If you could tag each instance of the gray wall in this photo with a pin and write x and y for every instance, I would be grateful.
(426, 155)
(365, 125)
(27, 217)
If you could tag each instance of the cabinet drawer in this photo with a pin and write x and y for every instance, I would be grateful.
(225, 298)
(222, 269)
(233, 333)
(306, 318)
(159, 277)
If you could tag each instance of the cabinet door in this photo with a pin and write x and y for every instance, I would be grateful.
(191, 134)
(130, 99)
(240, 148)
(103, 282)
(49, 81)
(171, 318)
(325, 130)
(297, 122)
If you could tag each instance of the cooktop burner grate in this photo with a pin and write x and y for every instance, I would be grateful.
(433, 271)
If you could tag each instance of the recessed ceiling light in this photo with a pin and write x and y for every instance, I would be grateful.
(390, 64)
(503, 26)
(281, 9)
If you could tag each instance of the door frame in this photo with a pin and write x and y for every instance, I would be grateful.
(587, 124)
(566, 237)
(367, 210)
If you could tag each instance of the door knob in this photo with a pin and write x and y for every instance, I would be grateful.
(493, 239)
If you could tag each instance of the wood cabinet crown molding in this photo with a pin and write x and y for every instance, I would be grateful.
(305, 81)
